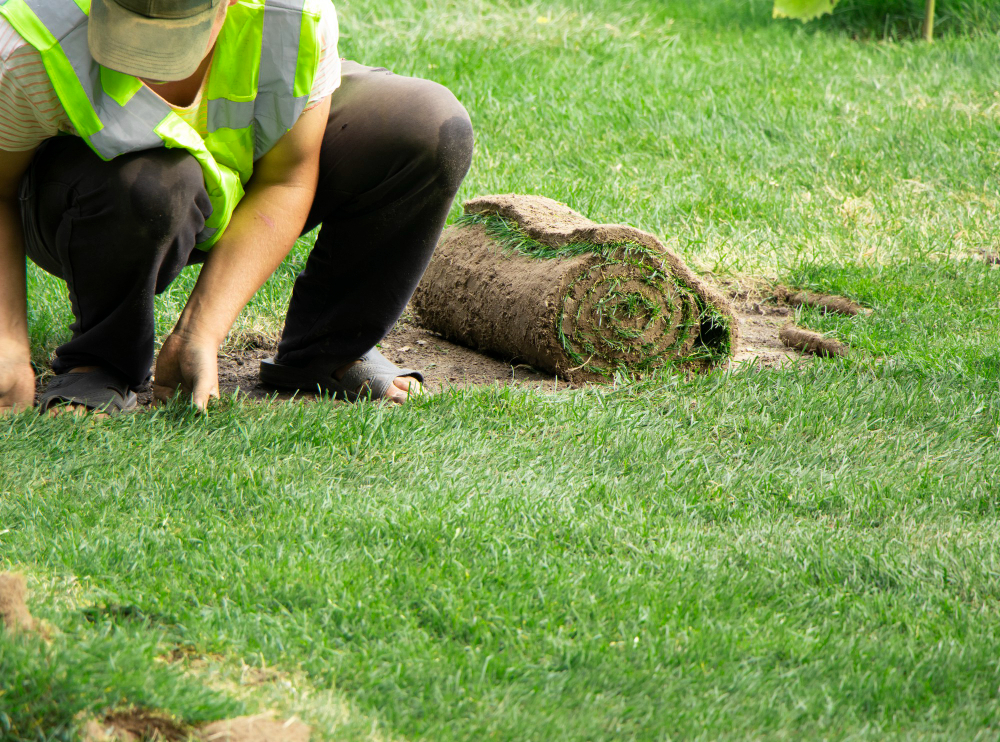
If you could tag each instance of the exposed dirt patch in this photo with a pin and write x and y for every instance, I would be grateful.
(146, 725)
(254, 729)
(761, 319)
(811, 342)
(135, 725)
(446, 364)
(14, 614)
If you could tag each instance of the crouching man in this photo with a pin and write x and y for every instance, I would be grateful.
(143, 136)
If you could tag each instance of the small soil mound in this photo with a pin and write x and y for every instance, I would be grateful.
(526, 277)
(826, 302)
(808, 341)
(135, 725)
(14, 614)
(145, 725)
(254, 729)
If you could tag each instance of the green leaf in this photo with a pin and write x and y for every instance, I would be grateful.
(804, 10)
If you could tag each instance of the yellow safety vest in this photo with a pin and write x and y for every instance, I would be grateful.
(260, 81)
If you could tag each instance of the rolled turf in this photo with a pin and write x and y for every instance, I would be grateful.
(528, 278)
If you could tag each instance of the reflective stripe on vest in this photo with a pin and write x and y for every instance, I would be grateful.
(260, 80)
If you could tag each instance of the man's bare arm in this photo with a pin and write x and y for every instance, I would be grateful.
(263, 229)
(17, 379)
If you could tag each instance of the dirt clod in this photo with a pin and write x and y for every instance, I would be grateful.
(135, 725)
(146, 725)
(811, 342)
(14, 614)
(254, 729)
(95, 731)
(826, 302)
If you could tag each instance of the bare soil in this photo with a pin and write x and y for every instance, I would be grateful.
(14, 614)
(135, 725)
(761, 318)
(254, 729)
(446, 364)
(443, 364)
(760, 324)
(147, 725)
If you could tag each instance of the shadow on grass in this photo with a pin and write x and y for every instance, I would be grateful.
(898, 20)
(882, 20)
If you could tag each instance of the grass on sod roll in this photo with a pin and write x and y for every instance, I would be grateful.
(807, 553)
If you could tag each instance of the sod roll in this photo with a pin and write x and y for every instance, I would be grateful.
(810, 342)
(528, 278)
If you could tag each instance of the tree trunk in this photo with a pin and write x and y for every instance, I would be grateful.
(929, 21)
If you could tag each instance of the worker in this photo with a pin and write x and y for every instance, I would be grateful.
(138, 137)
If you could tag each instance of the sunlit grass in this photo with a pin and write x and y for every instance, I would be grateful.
(807, 553)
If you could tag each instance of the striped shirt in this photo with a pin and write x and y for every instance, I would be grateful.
(30, 111)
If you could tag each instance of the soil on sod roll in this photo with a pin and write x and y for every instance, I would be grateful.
(527, 277)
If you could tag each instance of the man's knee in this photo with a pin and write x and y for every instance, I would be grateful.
(438, 130)
(455, 145)
(455, 138)
(159, 194)
(129, 209)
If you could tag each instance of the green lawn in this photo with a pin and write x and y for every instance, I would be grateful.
(805, 554)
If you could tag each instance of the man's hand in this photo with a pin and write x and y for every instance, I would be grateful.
(190, 365)
(17, 378)
(263, 229)
(17, 384)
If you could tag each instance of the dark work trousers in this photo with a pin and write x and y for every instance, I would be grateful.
(395, 152)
